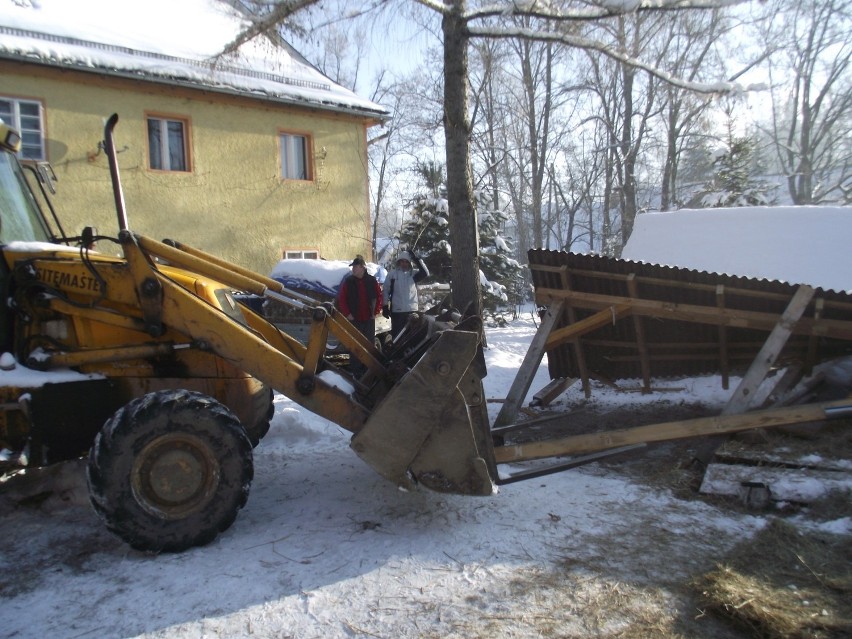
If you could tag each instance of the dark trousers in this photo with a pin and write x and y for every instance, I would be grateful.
(367, 328)
(398, 322)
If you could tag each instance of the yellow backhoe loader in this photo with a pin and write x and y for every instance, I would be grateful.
(148, 363)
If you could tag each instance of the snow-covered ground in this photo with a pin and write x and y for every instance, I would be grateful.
(327, 548)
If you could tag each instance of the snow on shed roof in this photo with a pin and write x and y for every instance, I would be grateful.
(170, 42)
(793, 244)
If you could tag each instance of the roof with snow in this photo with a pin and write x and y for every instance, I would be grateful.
(794, 244)
(177, 43)
(699, 291)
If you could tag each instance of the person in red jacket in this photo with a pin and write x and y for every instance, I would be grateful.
(360, 300)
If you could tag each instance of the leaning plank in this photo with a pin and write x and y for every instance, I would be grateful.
(523, 380)
(743, 396)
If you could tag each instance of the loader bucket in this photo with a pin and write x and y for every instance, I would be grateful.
(432, 428)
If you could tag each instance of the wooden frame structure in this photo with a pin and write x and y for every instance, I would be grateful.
(609, 319)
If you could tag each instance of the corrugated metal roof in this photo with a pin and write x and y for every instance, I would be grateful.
(684, 322)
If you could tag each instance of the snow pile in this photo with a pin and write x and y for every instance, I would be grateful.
(319, 276)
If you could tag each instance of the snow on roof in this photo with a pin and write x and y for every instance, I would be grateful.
(167, 41)
(793, 244)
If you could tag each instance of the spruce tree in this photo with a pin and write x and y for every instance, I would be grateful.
(426, 231)
(734, 182)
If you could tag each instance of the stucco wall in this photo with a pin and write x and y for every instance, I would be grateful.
(233, 203)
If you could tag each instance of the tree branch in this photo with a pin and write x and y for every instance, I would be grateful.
(262, 24)
(435, 5)
(601, 47)
(542, 10)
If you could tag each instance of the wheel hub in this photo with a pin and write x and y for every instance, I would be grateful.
(174, 476)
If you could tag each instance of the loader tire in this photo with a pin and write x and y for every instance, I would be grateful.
(170, 470)
(266, 409)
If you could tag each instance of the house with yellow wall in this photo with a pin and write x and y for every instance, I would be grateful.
(252, 155)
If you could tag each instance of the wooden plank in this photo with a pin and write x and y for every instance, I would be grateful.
(586, 325)
(523, 380)
(785, 383)
(839, 329)
(553, 390)
(743, 396)
(579, 353)
(668, 431)
(765, 359)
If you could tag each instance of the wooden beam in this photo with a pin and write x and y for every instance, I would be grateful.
(813, 342)
(586, 325)
(732, 291)
(553, 390)
(724, 364)
(523, 380)
(668, 431)
(743, 396)
(576, 345)
(641, 344)
(839, 329)
(785, 383)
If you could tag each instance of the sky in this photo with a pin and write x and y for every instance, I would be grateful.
(327, 548)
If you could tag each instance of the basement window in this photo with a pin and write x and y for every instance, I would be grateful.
(298, 254)
(168, 144)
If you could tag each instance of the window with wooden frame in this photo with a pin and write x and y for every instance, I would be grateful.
(27, 116)
(296, 160)
(168, 143)
(301, 254)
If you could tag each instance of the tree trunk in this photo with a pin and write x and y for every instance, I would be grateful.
(464, 230)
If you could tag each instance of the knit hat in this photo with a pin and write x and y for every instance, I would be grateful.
(359, 259)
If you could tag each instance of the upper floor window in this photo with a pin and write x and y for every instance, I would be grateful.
(27, 116)
(295, 156)
(297, 254)
(168, 144)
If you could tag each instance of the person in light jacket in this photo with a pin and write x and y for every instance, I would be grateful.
(401, 290)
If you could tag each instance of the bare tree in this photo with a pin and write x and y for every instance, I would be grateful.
(812, 96)
(691, 43)
(549, 22)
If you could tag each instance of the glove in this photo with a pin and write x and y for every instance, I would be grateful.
(386, 311)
